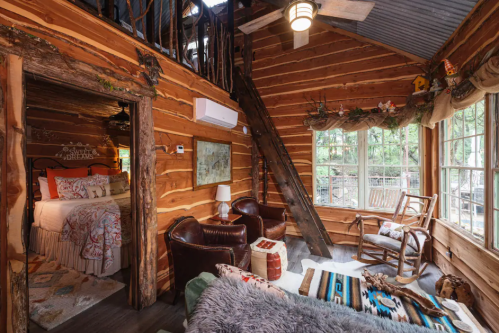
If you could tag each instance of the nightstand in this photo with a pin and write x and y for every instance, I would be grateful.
(229, 220)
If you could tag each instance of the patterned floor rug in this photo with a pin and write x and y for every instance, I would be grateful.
(57, 293)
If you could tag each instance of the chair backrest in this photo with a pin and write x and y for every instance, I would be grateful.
(187, 230)
(423, 214)
(383, 198)
(247, 205)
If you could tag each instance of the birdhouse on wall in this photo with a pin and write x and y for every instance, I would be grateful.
(421, 84)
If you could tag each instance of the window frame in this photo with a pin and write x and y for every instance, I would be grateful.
(125, 158)
(362, 150)
(491, 107)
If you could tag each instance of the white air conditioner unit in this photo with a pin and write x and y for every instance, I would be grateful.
(213, 113)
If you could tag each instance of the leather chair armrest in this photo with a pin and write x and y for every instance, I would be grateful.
(254, 226)
(224, 234)
(274, 213)
(189, 260)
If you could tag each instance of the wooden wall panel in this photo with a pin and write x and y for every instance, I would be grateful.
(87, 43)
(476, 36)
(348, 71)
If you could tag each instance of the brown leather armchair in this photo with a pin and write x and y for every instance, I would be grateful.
(261, 220)
(197, 248)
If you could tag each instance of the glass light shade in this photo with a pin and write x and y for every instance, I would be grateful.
(300, 14)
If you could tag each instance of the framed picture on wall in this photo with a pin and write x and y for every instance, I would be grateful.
(212, 160)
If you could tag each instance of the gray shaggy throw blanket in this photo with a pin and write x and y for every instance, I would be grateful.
(229, 305)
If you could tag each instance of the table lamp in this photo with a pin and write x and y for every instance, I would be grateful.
(223, 195)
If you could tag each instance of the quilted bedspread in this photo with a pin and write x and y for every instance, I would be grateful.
(98, 228)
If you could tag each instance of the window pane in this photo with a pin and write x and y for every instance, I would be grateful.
(332, 181)
(469, 121)
(462, 185)
(496, 229)
(496, 190)
(322, 138)
(375, 155)
(322, 156)
(457, 125)
(392, 155)
(393, 166)
(375, 136)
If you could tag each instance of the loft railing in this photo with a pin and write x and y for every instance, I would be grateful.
(199, 40)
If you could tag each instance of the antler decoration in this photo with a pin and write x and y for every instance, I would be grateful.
(379, 282)
(356, 221)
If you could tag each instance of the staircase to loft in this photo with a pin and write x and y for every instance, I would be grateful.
(266, 136)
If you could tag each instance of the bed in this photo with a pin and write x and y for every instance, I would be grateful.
(89, 235)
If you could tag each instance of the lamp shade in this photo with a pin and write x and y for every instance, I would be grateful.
(223, 193)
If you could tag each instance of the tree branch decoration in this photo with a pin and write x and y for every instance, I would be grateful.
(379, 282)
(318, 108)
(134, 20)
(152, 65)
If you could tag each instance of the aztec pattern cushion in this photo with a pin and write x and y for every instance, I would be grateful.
(394, 230)
(105, 190)
(121, 177)
(255, 280)
(74, 188)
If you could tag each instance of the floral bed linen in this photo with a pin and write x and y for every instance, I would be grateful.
(99, 227)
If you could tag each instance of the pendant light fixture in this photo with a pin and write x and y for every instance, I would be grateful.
(300, 14)
(122, 119)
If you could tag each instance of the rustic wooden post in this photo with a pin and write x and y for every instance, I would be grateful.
(255, 169)
(180, 30)
(145, 229)
(230, 53)
(109, 6)
(14, 255)
(248, 41)
(201, 30)
(151, 30)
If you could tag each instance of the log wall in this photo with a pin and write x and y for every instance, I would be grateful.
(477, 36)
(348, 70)
(111, 55)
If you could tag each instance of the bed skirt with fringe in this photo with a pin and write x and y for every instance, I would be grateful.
(47, 244)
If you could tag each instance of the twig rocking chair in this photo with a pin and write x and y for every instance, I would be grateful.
(408, 248)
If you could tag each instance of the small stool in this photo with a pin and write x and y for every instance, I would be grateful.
(269, 258)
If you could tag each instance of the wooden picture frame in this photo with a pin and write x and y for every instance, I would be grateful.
(197, 186)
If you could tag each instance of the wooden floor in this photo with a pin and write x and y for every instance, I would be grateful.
(115, 315)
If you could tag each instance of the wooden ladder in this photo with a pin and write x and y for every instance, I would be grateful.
(269, 141)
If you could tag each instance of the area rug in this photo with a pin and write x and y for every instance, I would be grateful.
(57, 293)
(291, 281)
(230, 305)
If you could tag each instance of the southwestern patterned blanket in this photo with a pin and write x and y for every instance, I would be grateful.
(99, 227)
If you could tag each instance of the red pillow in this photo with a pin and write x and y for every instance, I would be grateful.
(104, 171)
(66, 173)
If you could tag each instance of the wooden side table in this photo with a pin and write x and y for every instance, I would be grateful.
(229, 220)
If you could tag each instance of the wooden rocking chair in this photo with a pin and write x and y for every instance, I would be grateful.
(387, 249)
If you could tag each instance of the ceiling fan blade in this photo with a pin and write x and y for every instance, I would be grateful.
(351, 10)
(260, 22)
(300, 38)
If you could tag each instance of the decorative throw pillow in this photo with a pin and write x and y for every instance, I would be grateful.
(67, 173)
(121, 177)
(255, 280)
(105, 190)
(101, 179)
(74, 188)
(394, 230)
(44, 188)
(104, 171)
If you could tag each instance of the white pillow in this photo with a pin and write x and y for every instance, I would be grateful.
(44, 188)
(105, 190)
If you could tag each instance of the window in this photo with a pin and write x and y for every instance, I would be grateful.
(125, 160)
(463, 170)
(366, 169)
